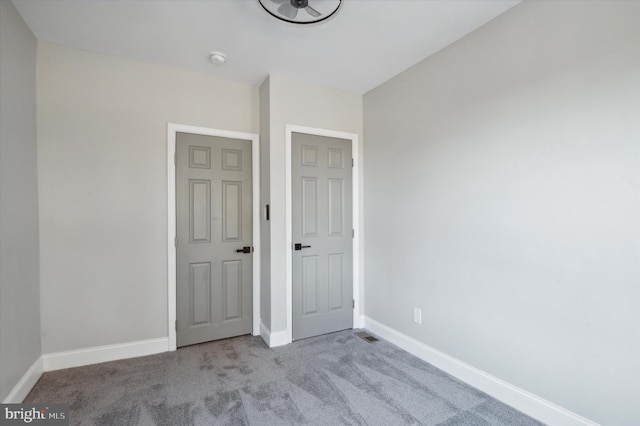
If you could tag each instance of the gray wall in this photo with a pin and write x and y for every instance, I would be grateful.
(102, 148)
(502, 198)
(19, 259)
(265, 196)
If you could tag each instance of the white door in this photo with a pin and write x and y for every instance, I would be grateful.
(214, 238)
(322, 292)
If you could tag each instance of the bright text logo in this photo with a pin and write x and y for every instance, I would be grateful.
(34, 414)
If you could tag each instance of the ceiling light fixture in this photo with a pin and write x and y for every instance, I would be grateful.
(301, 11)
(217, 57)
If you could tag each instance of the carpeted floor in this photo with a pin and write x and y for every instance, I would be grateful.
(334, 379)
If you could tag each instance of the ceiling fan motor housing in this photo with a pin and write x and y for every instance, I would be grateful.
(300, 4)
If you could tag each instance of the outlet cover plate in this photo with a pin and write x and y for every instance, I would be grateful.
(417, 316)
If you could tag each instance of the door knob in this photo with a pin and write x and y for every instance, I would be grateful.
(298, 246)
(246, 249)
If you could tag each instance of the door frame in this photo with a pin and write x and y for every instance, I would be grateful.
(355, 183)
(172, 130)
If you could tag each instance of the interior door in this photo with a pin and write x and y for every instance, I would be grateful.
(214, 238)
(322, 258)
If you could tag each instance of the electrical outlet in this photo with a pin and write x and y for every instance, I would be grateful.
(417, 315)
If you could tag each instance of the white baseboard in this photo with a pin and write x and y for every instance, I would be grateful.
(530, 404)
(26, 383)
(273, 339)
(265, 333)
(359, 322)
(97, 354)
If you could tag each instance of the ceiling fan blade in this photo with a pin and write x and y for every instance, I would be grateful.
(280, 1)
(311, 11)
(288, 10)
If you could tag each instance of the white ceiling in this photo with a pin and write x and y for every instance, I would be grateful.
(364, 44)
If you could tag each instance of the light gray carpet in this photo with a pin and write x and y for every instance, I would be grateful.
(334, 379)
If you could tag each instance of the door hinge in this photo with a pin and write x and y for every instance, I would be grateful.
(176, 325)
(175, 158)
(353, 233)
(352, 162)
(354, 304)
(175, 242)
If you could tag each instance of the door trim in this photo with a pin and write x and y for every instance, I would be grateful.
(355, 182)
(172, 129)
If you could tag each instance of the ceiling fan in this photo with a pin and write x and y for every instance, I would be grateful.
(301, 11)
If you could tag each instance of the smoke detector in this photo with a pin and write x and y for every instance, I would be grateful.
(217, 57)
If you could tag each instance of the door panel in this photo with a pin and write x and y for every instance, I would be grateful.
(336, 282)
(213, 214)
(309, 285)
(231, 211)
(200, 211)
(232, 290)
(310, 207)
(336, 208)
(322, 220)
(200, 286)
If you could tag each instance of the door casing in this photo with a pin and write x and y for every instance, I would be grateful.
(172, 129)
(355, 152)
